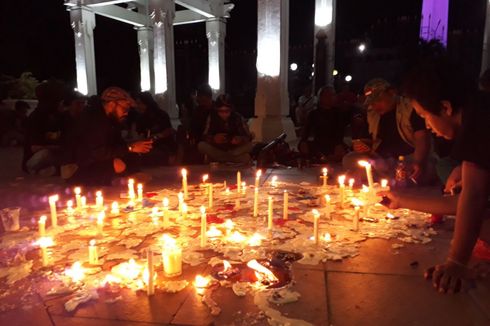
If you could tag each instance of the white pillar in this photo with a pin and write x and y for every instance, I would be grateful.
(162, 14)
(216, 33)
(83, 24)
(145, 45)
(272, 100)
(485, 57)
(325, 12)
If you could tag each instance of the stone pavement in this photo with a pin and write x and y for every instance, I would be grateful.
(381, 286)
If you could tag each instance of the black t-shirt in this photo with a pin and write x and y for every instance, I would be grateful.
(327, 126)
(392, 144)
(473, 141)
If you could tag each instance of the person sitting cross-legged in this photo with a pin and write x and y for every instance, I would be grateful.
(226, 136)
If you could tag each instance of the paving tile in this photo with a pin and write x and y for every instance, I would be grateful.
(377, 256)
(33, 313)
(75, 321)
(367, 299)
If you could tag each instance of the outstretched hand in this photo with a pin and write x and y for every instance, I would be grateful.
(449, 277)
(394, 199)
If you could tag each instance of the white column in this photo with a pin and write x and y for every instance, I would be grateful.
(162, 14)
(325, 11)
(216, 33)
(145, 45)
(271, 100)
(83, 24)
(485, 60)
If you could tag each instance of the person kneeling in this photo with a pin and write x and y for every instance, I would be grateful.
(226, 136)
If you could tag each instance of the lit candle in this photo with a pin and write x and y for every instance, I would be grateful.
(83, 201)
(115, 208)
(180, 196)
(244, 187)
(69, 207)
(93, 255)
(154, 215)
(227, 192)
(210, 203)
(140, 192)
(100, 222)
(224, 184)
(351, 183)
(238, 181)
(204, 227)
(325, 176)
(78, 198)
(365, 193)
(285, 210)
(355, 225)
(184, 182)
(42, 226)
(44, 243)
(52, 206)
(131, 193)
(328, 207)
(184, 210)
(229, 225)
(270, 214)
(99, 200)
(256, 202)
(205, 183)
(316, 218)
(172, 257)
(150, 285)
(274, 182)
(369, 172)
(257, 178)
(384, 185)
(341, 180)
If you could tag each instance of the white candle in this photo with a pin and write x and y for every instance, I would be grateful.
(115, 208)
(286, 205)
(316, 218)
(44, 243)
(351, 183)
(365, 193)
(184, 210)
(78, 199)
(83, 201)
(172, 258)
(342, 190)
(256, 202)
(355, 225)
(369, 172)
(204, 227)
(69, 207)
(257, 178)
(328, 207)
(100, 222)
(52, 206)
(325, 176)
(274, 182)
(131, 193)
(384, 185)
(184, 182)
(44, 256)
(42, 226)
(93, 255)
(210, 203)
(270, 214)
(140, 192)
(227, 192)
(150, 286)
(99, 200)
(238, 181)
(244, 188)
(205, 183)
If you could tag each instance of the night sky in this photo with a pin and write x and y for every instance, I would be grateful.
(36, 35)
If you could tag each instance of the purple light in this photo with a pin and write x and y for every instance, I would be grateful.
(433, 24)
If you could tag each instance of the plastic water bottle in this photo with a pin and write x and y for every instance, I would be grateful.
(401, 173)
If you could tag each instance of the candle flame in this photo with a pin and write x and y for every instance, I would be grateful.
(201, 282)
(341, 179)
(258, 174)
(384, 183)
(180, 195)
(78, 191)
(131, 182)
(213, 232)
(327, 198)
(92, 242)
(100, 218)
(45, 242)
(327, 237)
(364, 164)
(365, 188)
(262, 272)
(54, 198)
(203, 210)
(255, 240)
(69, 203)
(324, 171)
(168, 242)
(274, 181)
(356, 202)
(236, 237)
(165, 202)
(229, 224)
(128, 270)
(76, 272)
(226, 265)
(351, 182)
(316, 213)
(244, 185)
(139, 186)
(183, 172)
(390, 216)
(205, 178)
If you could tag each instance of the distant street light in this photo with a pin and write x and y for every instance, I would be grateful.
(361, 48)
(348, 78)
(335, 72)
(293, 67)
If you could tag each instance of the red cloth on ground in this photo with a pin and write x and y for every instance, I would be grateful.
(482, 250)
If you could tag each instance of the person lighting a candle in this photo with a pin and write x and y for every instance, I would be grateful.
(453, 112)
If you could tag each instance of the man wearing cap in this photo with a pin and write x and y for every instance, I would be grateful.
(96, 150)
(394, 130)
